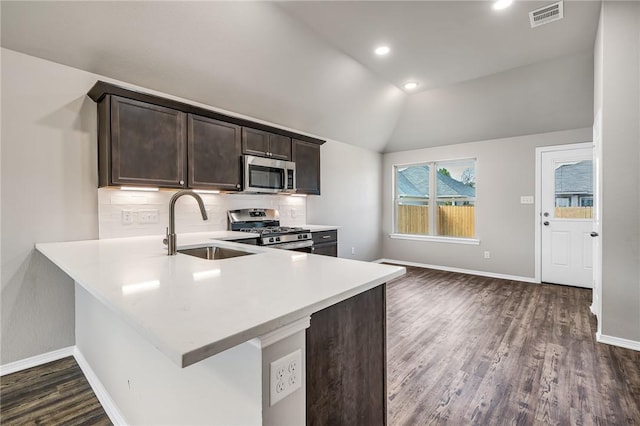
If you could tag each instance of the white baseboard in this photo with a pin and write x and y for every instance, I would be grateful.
(103, 396)
(461, 271)
(618, 341)
(35, 361)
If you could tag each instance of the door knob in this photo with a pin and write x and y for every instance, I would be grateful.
(545, 223)
(594, 234)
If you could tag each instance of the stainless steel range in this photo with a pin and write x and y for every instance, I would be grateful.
(266, 223)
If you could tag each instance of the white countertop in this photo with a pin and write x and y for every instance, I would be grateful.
(191, 308)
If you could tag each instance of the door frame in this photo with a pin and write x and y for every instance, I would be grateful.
(538, 198)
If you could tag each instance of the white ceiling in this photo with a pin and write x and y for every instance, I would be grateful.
(442, 43)
(308, 65)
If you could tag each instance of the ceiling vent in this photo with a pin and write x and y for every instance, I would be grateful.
(544, 15)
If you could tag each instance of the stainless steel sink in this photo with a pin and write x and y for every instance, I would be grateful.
(214, 252)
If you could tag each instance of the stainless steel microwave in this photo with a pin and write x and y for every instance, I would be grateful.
(268, 175)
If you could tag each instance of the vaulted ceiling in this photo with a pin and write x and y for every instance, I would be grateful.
(310, 65)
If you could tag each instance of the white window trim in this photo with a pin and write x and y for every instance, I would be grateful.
(432, 196)
(436, 239)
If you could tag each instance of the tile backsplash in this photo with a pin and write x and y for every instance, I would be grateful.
(138, 213)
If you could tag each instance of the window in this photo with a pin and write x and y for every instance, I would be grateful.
(436, 199)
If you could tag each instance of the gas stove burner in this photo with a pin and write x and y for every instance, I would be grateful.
(267, 226)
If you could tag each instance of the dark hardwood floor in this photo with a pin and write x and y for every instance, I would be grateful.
(56, 393)
(464, 349)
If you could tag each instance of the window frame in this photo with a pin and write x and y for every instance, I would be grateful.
(432, 202)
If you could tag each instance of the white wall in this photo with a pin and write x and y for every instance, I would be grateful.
(49, 180)
(351, 188)
(112, 201)
(505, 170)
(618, 77)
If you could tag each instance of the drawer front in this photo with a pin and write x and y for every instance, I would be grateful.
(325, 237)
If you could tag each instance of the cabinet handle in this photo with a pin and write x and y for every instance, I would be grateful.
(181, 182)
(238, 186)
(326, 237)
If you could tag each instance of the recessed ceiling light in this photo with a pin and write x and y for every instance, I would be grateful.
(410, 85)
(382, 50)
(502, 4)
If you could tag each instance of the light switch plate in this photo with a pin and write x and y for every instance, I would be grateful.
(526, 199)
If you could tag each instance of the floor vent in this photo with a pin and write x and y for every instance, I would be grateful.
(544, 15)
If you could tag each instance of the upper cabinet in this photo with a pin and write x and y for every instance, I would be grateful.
(306, 155)
(215, 154)
(147, 140)
(265, 144)
(141, 144)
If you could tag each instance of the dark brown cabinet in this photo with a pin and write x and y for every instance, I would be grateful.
(141, 144)
(325, 243)
(346, 362)
(265, 144)
(148, 140)
(214, 153)
(306, 155)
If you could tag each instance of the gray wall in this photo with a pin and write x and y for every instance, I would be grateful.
(547, 96)
(49, 180)
(49, 193)
(351, 198)
(618, 71)
(505, 170)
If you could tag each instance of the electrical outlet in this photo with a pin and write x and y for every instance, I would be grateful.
(148, 216)
(126, 217)
(487, 255)
(285, 376)
(353, 250)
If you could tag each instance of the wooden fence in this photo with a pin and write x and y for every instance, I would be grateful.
(574, 213)
(453, 221)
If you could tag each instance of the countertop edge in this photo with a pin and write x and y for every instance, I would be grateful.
(207, 351)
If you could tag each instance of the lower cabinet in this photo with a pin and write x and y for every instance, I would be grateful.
(346, 362)
(325, 243)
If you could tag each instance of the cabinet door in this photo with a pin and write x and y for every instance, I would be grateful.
(215, 154)
(280, 147)
(147, 144)
(255, 142)
(326, 250)
(306, 155)
(265, 144)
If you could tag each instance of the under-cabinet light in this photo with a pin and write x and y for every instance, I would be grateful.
(139, 188)
(410, 85)
(298, 195)
(206, 191)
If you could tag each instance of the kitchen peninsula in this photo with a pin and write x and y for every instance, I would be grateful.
(180, 339)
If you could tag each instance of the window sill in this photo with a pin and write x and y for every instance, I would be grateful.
(436, 239)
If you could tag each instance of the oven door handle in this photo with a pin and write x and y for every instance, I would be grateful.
(293, 245)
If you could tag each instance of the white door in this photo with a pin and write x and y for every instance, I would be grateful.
(567, 217)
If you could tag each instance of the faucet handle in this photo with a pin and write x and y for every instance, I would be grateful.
(165, 241)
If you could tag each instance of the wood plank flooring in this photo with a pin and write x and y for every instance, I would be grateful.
(56, 393)
(465, 350)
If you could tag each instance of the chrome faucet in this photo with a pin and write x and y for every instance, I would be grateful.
(170, 240)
